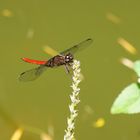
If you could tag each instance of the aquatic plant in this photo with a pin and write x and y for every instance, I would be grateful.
(128, 101)
(69, 132)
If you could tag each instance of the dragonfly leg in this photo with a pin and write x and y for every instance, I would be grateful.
(67, 68)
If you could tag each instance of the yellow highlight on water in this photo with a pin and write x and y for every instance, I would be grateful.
(113, 18)
(7, 13)
(45, 136)
(99, 123)
(50, 51)
(127, 46)
(17, 134)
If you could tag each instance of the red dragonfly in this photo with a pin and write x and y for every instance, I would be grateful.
(64, 58)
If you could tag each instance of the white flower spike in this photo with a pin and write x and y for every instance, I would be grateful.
(69, 132)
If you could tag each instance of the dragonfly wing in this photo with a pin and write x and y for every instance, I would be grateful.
(82, 45)
(32, 74)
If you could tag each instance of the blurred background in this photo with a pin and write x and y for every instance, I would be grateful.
(41, 106)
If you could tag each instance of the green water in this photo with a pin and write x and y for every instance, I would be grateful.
(26, 26)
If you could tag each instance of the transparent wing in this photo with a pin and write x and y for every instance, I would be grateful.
(78, 47)
(32, 74)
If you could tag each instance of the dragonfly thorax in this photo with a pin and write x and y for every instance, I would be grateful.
(59, 60)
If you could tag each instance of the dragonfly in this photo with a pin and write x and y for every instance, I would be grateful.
(65, 58)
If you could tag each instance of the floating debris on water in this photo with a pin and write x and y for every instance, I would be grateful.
(127, 62)
(88, 109)
(30, 33)
(51, 130)
(127, 46)
(113, 18)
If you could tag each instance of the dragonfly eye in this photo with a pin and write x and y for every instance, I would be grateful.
(68, 58)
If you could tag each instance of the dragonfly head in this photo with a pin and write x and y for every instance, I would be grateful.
(68, 58)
